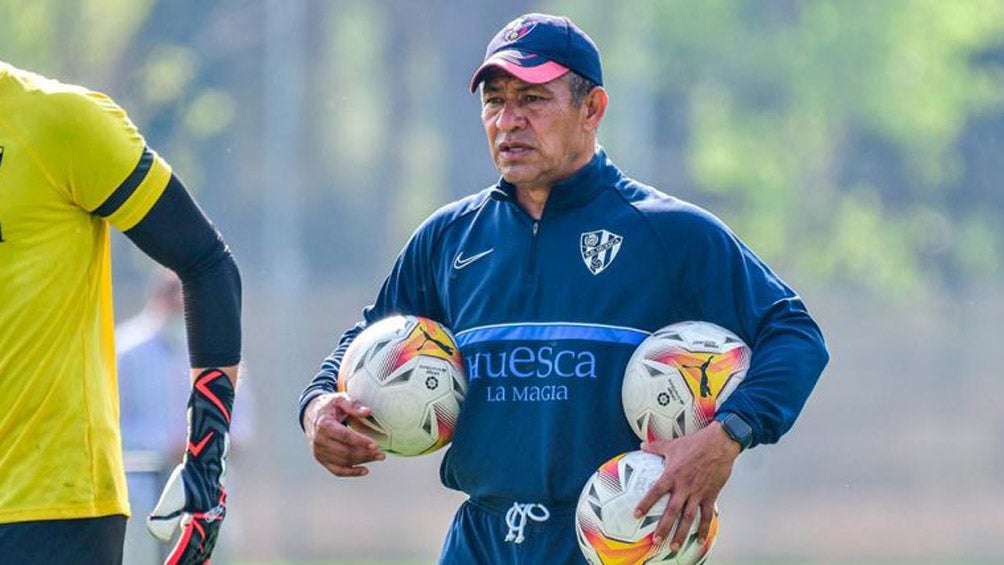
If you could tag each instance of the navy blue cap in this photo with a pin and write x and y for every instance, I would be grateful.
(539, 48)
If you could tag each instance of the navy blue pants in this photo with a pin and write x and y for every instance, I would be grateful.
(94, 541)
(525, 534)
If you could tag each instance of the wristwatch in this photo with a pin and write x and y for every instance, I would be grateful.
(737, 428)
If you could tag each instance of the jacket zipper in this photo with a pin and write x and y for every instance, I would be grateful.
(531, 271)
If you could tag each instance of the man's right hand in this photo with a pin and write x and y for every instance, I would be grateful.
(338, 447)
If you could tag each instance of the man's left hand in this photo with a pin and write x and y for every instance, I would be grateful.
(696, 468)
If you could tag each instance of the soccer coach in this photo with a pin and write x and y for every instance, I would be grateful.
(550, 278)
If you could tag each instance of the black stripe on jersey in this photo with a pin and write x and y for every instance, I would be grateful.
(128, 186)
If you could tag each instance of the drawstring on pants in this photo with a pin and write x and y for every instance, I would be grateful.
(516, 518)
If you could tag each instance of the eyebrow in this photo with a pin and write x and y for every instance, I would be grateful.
(494, 87)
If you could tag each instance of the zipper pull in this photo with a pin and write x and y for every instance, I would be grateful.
(536, 228)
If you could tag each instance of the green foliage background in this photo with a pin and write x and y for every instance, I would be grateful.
(855, 143)
(837, 136)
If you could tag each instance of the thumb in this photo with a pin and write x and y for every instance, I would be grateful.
(654, 447)
(166, 516)
(346, 406)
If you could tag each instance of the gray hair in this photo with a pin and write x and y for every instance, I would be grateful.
(580, 86)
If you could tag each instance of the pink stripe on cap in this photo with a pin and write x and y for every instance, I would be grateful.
(544, 72)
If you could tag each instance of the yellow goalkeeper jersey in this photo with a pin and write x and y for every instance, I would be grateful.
(71, 163)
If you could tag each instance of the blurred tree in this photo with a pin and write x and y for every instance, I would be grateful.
(854, 142)
(827, 133)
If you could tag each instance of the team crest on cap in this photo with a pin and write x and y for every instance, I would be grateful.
(517, 29)
(599, 248)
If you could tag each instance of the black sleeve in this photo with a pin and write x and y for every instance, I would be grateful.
(176, 234)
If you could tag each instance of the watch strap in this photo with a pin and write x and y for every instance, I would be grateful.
(737, 429)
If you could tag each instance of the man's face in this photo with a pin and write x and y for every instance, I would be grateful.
(537, 136)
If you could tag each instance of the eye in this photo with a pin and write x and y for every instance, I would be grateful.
(530, 98)
(492, 101)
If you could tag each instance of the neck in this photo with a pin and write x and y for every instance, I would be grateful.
(532, 199)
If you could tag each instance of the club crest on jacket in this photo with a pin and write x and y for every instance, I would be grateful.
(599, 248)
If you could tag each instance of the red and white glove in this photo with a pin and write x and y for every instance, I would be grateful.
(193, 498)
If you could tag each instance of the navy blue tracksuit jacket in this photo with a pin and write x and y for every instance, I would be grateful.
(547, 313)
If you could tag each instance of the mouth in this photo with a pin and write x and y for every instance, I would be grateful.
(513, 149)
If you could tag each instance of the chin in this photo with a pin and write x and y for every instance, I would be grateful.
(513, 178)
(515, 174)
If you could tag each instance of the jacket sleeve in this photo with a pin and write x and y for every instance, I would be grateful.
(409, 289)
(740, 292)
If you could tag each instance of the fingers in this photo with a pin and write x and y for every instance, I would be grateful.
(327, 415)
(346, 471)
(343, 447)
(707, 515)
(663, 529)
(335, 406)
(335, 445)
(660, 487)
(695, 472)
(347, 406)
(690, 512)
(343, 460)
(682, 508)
(653, 447)
(330, 431)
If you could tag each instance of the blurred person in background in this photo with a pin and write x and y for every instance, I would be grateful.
(558, 272)
(72, 165)
(153, 393)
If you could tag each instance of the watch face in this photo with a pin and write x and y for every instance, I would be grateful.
(738, 429)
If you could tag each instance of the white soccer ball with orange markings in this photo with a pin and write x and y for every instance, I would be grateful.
(607, 531)
(408, 370)
(679, 376)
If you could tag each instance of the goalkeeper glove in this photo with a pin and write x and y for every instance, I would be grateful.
(193, 498)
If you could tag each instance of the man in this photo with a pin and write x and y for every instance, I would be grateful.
(152, 354)
(551, 278)
(71, 165)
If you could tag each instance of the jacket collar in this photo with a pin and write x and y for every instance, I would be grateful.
(599, 173)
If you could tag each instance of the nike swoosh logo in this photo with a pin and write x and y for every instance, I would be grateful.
(460, 262)
(197, 448)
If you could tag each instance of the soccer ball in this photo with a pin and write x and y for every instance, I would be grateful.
(408, 370)
(679, 376)
(609, 533)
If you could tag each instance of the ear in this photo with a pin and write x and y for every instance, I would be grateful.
(595, 105)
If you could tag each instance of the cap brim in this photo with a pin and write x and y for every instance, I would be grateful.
(537, 74)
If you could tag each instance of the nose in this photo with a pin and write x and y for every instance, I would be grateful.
(510, 118)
